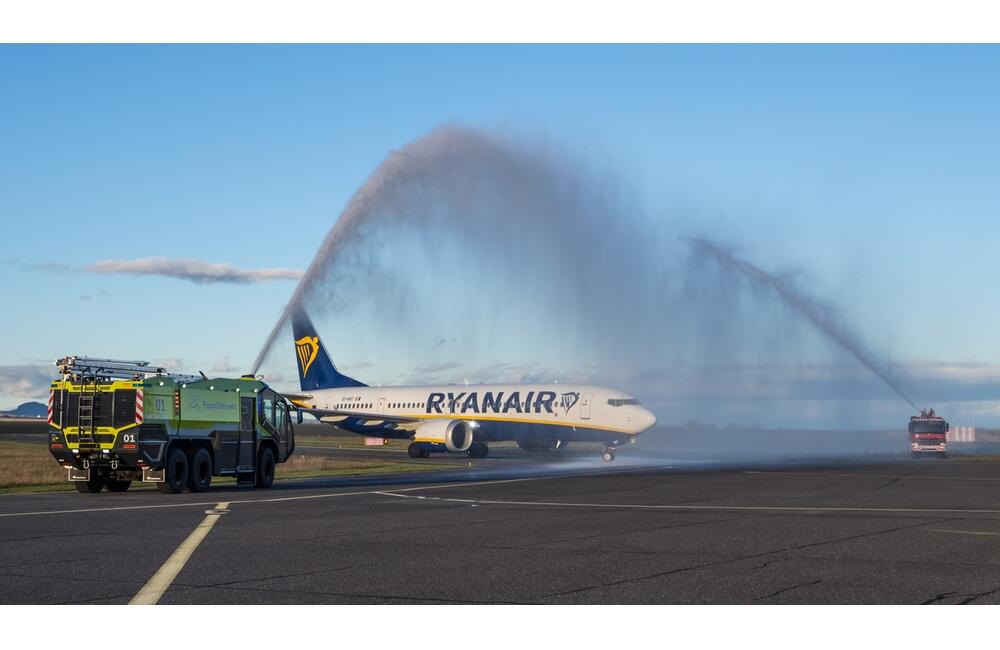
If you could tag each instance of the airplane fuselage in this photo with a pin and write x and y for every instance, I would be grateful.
(457, 418)
(522, 412)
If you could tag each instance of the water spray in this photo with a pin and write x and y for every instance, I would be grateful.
(807, 307)
(416, 160)
(588, 284)
(475, 186)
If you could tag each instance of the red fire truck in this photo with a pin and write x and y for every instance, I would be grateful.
(928, 434)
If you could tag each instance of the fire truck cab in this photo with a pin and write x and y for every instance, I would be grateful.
(928, 434)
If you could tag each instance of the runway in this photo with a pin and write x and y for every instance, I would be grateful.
(636, 532)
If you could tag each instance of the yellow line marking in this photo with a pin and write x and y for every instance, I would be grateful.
(963, 532)
(516, 420)
(151, 593)
(410, 417)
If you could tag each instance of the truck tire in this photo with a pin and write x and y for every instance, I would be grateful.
(92, 486)
(265, 468)
(175, 472)
(199, 469)
(115, 485)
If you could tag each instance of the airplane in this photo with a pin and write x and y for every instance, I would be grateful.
(462, 418)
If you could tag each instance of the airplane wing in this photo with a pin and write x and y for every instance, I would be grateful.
(302, 402)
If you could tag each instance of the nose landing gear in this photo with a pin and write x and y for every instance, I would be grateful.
(609, 450)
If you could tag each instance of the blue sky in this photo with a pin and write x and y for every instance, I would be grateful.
(875, 169)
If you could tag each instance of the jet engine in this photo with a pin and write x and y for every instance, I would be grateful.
(456, 435)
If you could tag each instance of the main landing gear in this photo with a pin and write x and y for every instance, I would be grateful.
(418, 450)
(608, 455)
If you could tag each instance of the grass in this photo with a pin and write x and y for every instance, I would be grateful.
(349, 441)
(299, 466)
(27, 467)
(23, 425)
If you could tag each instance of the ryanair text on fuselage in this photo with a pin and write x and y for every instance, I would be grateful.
(543, 401)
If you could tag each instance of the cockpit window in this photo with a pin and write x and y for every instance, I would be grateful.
(622, 402)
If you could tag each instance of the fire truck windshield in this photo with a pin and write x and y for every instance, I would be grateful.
(928, 427)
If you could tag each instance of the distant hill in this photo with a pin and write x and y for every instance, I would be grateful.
(28, 410)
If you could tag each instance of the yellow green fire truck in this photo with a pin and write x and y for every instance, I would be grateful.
(113, 422)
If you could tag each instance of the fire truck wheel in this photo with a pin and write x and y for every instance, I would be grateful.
(114, 485)
(199, 469)
(265, 468)
(91, 486)
(175, 472)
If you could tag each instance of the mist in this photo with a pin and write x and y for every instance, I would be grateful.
(820, 315)
(480, 256)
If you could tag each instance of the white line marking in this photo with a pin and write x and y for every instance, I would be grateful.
(653, 506)
(908, 477)
(64, 512)
(151, 593)
(963, 532)
(324, 495)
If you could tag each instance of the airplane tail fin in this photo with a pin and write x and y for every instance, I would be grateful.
(316, 369)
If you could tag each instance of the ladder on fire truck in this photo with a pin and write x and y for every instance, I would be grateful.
(90, 372)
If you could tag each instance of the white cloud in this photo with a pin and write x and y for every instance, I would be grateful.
(27, 381)
(170, 364)
(433, 368)
(193, 270)
(357, 365)
(224, 365)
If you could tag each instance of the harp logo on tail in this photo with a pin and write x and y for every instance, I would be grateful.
(307, 348)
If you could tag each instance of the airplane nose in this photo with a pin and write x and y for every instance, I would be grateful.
(645, 419)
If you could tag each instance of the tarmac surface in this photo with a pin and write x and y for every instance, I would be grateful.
(518, 529)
